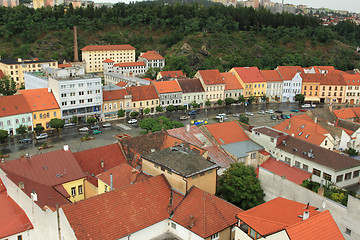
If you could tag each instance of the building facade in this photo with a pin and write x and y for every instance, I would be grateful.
(113, 101)
(169, 92)
(192, 92)
(233, 88)
(130, 69)
(292, 82)
(274, 85)
(213, 84)
(152, 59)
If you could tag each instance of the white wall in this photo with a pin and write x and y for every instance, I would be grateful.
(33, 82)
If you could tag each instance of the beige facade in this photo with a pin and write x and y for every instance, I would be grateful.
(111, 107)
(15, 68)
(227, 233)
(141, 105)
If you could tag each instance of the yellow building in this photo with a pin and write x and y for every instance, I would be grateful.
(43, 106)
(94, 55)
(113, 101)
(213, 83)
(15, 68)
(252, 81)
(311, 86)
(143, 97)
(183, 168)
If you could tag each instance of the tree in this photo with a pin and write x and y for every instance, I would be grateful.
(159, 108)
(240, 186)
(3, 134)
(208, 103)
(229, 101)
(300, 98)
(277, 98)
(7, 86)
(159, 123)
(147, 110)
(147, 124)
(74, 120)
(21, 130)
(251, 99)
(57, 123)
(241, 99)
(91, 120)
(170, 108)
(152, 73)
(194, 104)
(38, 129)
(121, 113)
(264, 98)
(181, 108)
(244, 119)
(220, 102)
(134, 114)
(351, 152)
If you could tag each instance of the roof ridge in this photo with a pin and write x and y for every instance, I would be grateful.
(262, 219)
(313, 217)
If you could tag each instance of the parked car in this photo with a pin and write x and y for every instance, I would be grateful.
(283, 116)
(279, 111)
(279, 117)
(287, 116)
(106, 125)
(249, 114)
(303, 110)
(25, 140)
(307, 105)
(95, 127)
(96, 132)
(269, 111)
(42, 136)
(273, 117)
(132, 121)
(83, 129)
(261, 112)
(294, 110)
(69, 125)
(192, 112)
(236, 115)
(184, 117)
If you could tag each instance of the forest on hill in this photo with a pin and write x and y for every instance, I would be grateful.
(191, 36)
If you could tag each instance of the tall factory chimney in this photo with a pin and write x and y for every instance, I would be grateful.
(76, 57)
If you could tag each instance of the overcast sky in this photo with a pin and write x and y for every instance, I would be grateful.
(349, 5)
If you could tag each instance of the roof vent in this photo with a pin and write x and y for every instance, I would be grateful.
(45, 168)
(153, 150)
(310, 154)
(303, 126)
(306, 215)
(307, 136)
(295, 149)
(300, 133)
(66, 148)
(284, 143)
(304, 153)
(33, 196)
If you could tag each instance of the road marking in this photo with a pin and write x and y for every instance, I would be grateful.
(123, 126)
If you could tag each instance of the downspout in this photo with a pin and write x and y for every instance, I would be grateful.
(58, 220)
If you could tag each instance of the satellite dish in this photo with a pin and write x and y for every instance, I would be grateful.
(323, 204)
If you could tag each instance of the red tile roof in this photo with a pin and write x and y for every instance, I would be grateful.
(13, 219)
(249, 74)
(173, 74)
(280, 168)
(115, 94)
(232, 83)
(211, 77)
(143, 93)
(121, 84)
(275, 215)
(288, 72)
(333, 78)
(312, 77)
(108, 61)
(107, 47)
(64, 65)
(271, 75)
(264, 152)
(220, 131)
(120, 212)
(13, 105)
(345, 113)
(152, 55)
(352, 79)
(97, 160)
(167, 87)
(319, 227)
(210, 213)
(129, 64)
(303, 127)
(40, 99)
(1, 74)
(198, 138)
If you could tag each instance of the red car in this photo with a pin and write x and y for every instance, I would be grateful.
(303, 110)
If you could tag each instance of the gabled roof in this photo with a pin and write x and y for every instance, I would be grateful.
(275, 215)
(130, 64)
(345, 113)
(211, 77)
(108, 61)
(190, 85)
(107, 47)
(143, 93)
(152, 55)
(282, 169)
(40, 99)
(220, 131)
(319, 227)
(241, 149)
(271, 75)
(287, 73)
(303, 127)
(210, 214)
(232, 83)
(97, 160)
(352, 79)
(13, 105)
(335, 77)
(322, 113)
(198, 138)
(173, 74)
(122, 84)
(268, 131)
(167, 87)
(120, 212)
(312, 77)
(13, 219)
(249, 74)
(349, 125)
(114, 94)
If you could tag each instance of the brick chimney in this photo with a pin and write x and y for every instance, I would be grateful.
(76, 57)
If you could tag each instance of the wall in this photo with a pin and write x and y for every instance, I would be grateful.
(226, 234)
(182, 232)
(149, 232)
(34, 82)
(199, 97)
(345, 217)
(53, 113)
(152, 104)
(90, 190)
(13, 125)
(207, 182)
(76, 184)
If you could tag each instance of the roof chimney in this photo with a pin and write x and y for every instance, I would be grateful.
(306, 215)
(192, 221)
(102, 163)
(133, 175)
(315, 120)
(76, 57)
(111, 182)
(66, 148)
(33, 196)
(188, 127)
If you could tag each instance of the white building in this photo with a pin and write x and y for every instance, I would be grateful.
(192, 90)
(131, 69)
(152, 59)
(292, 82)
(114, 78)
(78, 94)
(274, 84)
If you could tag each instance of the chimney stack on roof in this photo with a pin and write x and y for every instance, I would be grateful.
(66, 148)
(306, 215)
(111, 182)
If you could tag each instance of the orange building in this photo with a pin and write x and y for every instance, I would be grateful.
(311, 86)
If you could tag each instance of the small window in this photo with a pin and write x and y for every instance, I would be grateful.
(80, 189)
(316, 172)
(169, 172)
(347, 176)
(356, 173)
(73, 191)
(19, 237)
(106, 188)
(162, 169)
(173, 225)
(348, 231)
(214, 236)
(339, 178)
(327, 176)
(305, 167)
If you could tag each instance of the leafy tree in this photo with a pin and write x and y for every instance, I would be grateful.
(300, 98)
(152, 73)
(194, 104)
(3, 134)
(264, 98)
(134, 114)
(38, 129)
(244, 119)
(229, 101)
(208, 103)
(240, 186)
(91, 120)
(351, 152)
(251, 99)
(170, 108)
(57, 123)
(242, 99)
(159, 108)
(7, 86)
(21, 130)
(74, 120)
(158, 124)
(277, 98)
(147, 123)
(121, 113)
(181, 108)
(147, 110)
(220, 102)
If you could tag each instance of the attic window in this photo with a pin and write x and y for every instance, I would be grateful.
(303, 126)
(300, 133)
(307, 136)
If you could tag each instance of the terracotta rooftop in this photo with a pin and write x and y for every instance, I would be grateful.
(271, 75)
(64, 65)
(40, 99)
(130, 64)
(210, 214)
(13, 105)
(282, 169)
(190, 85)
(249, 74)
(287, 73)
(122, 84)
(167, 87)
(211, 77)
(13, 219)
(108, 61)
(152, 55)
(114, 94)
(232, 83)
(352, 79)
(107, 47)
(220, 131)
(316, 78)
(275, 215)
(173, 74)
(333, 78)
(143, 93)
(346, 113)
(198, 138)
